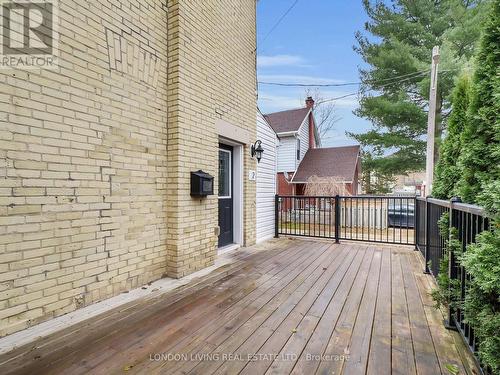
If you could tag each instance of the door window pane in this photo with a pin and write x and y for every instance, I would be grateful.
(224, 173)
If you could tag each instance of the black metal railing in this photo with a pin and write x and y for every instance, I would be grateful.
(385, 219)
(396, 220)
(420, 219)
(468, 221)
(429, 239)
(305, 216)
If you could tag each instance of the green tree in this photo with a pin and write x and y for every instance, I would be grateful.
(373, 180)
(448, 172)
(482, 261)
(480, 183)
(398, 41)
(480, 158)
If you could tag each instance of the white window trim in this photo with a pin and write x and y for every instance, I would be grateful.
(230, 175)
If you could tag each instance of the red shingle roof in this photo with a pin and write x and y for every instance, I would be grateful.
(287, 121)
(328, 162)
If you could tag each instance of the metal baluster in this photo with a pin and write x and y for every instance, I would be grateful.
(427, 235)
(407, 214)
(369, 214)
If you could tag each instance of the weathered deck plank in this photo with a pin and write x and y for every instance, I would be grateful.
(311, 356)
(270, 315)
(291, 326)
(425, 353)
(266, 287)
(403, 359)
(296, 306)
(259, 311)
(359, 347)
(379, 359)
(341, 337)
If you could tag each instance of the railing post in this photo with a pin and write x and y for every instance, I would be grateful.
(337, 219)
(452, 269)
(276, 215)
(427, 235)
(416, 226)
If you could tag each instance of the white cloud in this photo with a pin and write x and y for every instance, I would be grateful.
(274, 103)
(281, 102)
(293, 78)
(279, 60)
(350, 102)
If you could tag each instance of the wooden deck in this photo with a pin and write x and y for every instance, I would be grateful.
(299, 307)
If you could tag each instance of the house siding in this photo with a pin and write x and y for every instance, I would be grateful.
(266, 181)
(287, 154)
(96, 156)
(287, 149)
(304, 138)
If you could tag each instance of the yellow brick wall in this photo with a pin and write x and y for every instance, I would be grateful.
(214, 78)
(95, 156)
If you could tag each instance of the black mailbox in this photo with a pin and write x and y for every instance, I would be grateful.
(202, 184)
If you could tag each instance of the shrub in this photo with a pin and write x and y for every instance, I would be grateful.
(482, 304)
(448, 172)
(480, 157)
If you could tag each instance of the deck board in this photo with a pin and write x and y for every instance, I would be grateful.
(423, 346)
(379, 358)
(361, 336)
(293, 308)
(311, 356)
(403, 358)
(338, 344)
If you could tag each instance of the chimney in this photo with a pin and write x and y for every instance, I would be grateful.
(312, 138)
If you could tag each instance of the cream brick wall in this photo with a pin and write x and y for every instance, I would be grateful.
(91, 202)
(213, 44)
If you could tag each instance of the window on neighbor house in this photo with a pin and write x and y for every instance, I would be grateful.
(298, 149)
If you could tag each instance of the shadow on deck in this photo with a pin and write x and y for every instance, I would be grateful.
(300, 307)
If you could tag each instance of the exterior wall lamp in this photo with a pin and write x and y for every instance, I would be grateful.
(257, 150)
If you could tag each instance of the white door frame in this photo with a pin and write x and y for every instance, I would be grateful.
(237, 179)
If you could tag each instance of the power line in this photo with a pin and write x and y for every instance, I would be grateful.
(279, 21)
(410, 75)
(381, 86)
(393, 81)
(338, 98)
(361, 91)
(413, 75)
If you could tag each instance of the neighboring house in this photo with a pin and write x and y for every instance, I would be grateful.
(301, 157)
(412, 183)
(343, 164)
(97, 154)
(297, 133)
(266, 180)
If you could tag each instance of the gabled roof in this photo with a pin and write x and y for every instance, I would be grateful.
(287, 121)
(328, 162)
(264, 119)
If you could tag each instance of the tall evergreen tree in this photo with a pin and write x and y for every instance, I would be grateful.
(480, 159)
(448, 172)
(398, 42)
(373, 180)
(480, 183)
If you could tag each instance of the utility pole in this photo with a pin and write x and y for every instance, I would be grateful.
(431, 123)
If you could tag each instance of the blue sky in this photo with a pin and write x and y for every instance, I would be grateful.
(313, 44)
